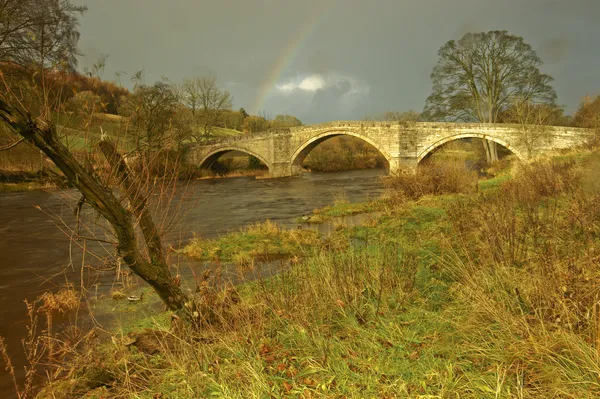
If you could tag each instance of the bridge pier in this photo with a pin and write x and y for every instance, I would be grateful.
(403, 164)
(284, 169)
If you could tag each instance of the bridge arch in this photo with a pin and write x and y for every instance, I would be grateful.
(305, 148)
(214, 155)
(432, 147)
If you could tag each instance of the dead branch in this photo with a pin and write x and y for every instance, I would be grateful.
(12, 145)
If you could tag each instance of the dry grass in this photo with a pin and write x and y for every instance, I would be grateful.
(525, 260)
(272, 338)
(431, 179)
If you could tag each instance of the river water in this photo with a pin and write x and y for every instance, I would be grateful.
(37, 255)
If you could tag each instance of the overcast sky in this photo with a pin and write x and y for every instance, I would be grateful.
(323, 60)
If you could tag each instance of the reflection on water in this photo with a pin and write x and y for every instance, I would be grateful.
(36, 253)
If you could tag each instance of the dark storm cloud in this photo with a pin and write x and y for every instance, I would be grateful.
(555, 49)
(387, 46)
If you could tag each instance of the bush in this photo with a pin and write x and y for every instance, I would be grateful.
(432, 179)
(544, 178)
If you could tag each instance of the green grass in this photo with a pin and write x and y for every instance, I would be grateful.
(495, 181)
(259, 240)
(342, 208)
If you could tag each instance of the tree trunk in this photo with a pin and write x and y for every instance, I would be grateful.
(155, 270)
(486, 148)
(491, 151)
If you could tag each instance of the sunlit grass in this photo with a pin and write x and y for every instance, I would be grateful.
(259, 239)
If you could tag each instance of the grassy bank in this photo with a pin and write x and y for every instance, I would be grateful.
(485, 293)
(260, 240)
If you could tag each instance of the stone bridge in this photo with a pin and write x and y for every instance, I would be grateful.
(402, 144)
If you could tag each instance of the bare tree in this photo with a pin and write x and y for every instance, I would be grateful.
(478, 76)
(207, 102)
(406, 116)
(533, 119)
(124, 211)
(151, 110)
(39, 31)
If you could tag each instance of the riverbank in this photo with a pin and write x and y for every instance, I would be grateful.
(11, 181)
(28, 180)
(485, 294)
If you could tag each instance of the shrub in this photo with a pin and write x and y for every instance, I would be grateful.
(432, 179)
(544, 178)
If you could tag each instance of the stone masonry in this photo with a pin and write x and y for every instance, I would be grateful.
(404, 145)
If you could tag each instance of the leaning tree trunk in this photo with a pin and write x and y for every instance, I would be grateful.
(153, 270)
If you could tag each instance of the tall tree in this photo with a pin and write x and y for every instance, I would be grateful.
(206, 100)
(478, 76)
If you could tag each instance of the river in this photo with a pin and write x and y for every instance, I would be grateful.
(36, 254)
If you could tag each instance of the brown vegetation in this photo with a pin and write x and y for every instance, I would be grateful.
(433, 178)
(344, 153)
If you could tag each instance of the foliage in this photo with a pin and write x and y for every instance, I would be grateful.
(233, 120)
(397, 116)
(588, 116)
(86, 102)
(69, 84)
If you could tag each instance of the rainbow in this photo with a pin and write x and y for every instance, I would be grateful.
(290, 52)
